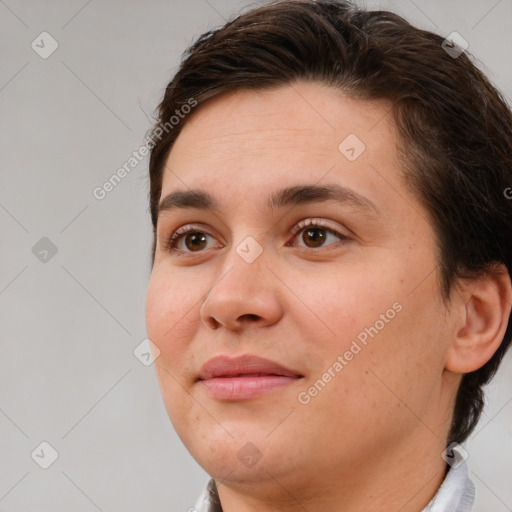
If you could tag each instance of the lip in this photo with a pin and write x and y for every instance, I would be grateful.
(244, 377)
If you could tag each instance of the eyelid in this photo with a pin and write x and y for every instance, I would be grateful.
(316, 222)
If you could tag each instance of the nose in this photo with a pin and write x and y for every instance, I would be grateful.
(245, 295)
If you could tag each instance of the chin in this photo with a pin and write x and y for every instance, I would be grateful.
(244, 455)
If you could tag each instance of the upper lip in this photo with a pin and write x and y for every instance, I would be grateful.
(225, 366)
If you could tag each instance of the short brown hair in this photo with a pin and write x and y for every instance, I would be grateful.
(454, 128)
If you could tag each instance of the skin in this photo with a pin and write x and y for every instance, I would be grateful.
(372, 439)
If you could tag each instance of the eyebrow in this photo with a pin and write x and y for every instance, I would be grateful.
(289, 196)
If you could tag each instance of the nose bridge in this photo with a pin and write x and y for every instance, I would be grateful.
(248, 255)
(242, 273)
(242, 290)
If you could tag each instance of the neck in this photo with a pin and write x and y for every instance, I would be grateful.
(404, 478)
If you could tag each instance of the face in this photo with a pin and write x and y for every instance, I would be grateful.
(337, 283)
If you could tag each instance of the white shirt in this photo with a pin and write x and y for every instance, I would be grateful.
(456, 494)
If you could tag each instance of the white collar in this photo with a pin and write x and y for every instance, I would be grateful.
(457, 492)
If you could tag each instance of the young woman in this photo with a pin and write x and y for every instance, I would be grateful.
(330, 286)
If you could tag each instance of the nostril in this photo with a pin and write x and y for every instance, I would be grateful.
(213, 323)
(249, 316)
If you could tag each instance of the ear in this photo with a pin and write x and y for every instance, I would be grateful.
(485, 304)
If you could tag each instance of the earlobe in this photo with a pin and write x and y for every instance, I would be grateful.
(484, 320)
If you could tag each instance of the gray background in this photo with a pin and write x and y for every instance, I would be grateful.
(69, 325)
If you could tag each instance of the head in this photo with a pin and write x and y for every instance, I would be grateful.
(317, 94)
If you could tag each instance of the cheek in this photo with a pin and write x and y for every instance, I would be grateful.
(343, 303)
(384, 334)
(391, 379)
(171, 320)
(171, 316)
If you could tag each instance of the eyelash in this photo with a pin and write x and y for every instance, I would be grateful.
(300, 226)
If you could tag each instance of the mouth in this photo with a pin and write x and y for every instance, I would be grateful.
(244, 377)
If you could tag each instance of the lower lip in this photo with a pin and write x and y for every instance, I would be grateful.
(242, 388)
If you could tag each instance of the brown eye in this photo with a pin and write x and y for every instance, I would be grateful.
(314, 234)
(314, 237)
(195, 241)
(189, 239)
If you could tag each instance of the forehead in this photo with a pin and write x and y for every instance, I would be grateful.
(249, 142)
